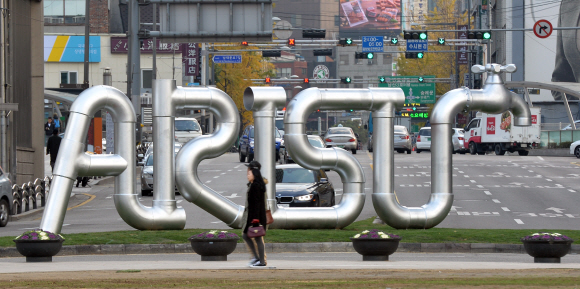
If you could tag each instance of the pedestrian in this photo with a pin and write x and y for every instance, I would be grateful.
(48, 128)
(56, 122)
(52, 146)
(255, 210)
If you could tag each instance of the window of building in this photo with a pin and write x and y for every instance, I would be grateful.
(357, 79)
(146, 78)
(336, 20)
(387, 59)
(284, 72)
(68, 77)
(64, 12)
(296, 20)
(344, 59)
(304, 71)
(360, 61)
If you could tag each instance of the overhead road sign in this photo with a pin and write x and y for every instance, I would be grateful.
(543, 28)
(417, 45)
(372, 43)
(415, 92)
(227, 59)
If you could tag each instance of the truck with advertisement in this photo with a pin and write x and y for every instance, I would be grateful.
(496, 132)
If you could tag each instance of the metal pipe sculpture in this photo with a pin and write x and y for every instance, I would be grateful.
(382, 102)
(169, 96)
(76, 163)
(493, 98)
(264, 101)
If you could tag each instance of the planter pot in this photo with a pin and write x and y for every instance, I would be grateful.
(547, 251)
(38, 251)
(213, 250)
(375, 249)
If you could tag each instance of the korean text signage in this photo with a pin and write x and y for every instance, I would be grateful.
(490, 127)
(415, 92)
(190, 57)
(462, 56)
(71, 48)
(120, 45)
(534, 119)
(417, 45)
(227, 59)
(372, 43)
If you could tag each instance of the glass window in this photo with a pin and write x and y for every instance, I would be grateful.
(277, 133)
(64, 12)
(304, 72)
(344, 59)
(64, 77)
(358, 79)
(338, 130)
(336, 20)
(186, 125)
(400, 129)
(425, 132)
(387, 60)
(146, 78)
(294, 175)
(149, 161)
(316, 142)
(280, 124)
(251, 133)
(72, 77)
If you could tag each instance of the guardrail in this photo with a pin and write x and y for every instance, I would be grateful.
(558, 138)
(30, 196)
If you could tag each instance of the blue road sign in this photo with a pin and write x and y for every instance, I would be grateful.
(372, 44)
(227, 59)
(417, 45)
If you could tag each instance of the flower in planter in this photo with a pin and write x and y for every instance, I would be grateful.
(215, 234)
(375, 234)
(40, 235)
(542, 236)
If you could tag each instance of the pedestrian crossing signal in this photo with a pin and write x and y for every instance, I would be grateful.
(291, 42)
(268, 80)
(306, 80)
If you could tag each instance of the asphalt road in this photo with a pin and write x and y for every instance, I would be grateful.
(491, 192)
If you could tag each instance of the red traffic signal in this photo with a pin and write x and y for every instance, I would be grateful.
(245, 43)
(268, 80)
(291, 42)
(306, 80)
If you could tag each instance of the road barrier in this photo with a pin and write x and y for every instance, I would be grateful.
(30, 196)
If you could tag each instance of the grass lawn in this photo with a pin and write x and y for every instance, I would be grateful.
(434, 235)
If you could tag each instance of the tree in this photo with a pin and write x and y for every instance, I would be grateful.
(442, 65)
(233, 79)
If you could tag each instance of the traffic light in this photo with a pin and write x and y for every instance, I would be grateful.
(484, 35)
(421, 79)
(382, 79)
(370, 55)
(441, 41)
(306, 80)
(417, 35)
(394, 41)
(414, 55)
(244, 43)
(268, 80)
(291, 42)
(271, 53)
(349, 110)
(314, 33)
(487, 35)
(322, 52)
(364, 55)
(345, 41)
(345, 80)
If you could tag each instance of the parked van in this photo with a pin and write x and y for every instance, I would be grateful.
(186, 128)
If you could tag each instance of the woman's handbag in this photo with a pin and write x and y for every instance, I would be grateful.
(256, 230)
(269, 218)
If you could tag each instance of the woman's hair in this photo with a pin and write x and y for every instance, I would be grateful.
(258, 179)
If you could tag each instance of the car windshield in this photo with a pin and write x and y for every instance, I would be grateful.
(339, 130)
(251, 133)
(280, 124)
(425, 132)
(294, 175)
(186, 125)
(316, 142)
(277, 133)
(149, 161)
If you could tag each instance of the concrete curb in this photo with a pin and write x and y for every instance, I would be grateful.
(329, 247)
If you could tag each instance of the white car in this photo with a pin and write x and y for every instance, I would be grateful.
(424, 139)
(577, 123)
(458, 139)
(575, 148)
(186, 128)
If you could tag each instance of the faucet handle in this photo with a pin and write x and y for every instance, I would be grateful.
(477, 69)
(510, 68)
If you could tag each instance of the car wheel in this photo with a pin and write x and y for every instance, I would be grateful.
(577, 152)
(472, 148)
(408, 152)
(250, 157)
(498, 150)
(418, 151)
(353, 151)
(4, 213)
(242, 157)
(523, 153)
(277, 155)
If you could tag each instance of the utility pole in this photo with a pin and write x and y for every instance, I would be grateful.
(203, 82)
(87, 44)
(134, 64)
(154, 74)
(3, 134)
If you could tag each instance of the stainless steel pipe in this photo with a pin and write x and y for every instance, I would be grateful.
(204, 147)
(493, 98)
(382, 102)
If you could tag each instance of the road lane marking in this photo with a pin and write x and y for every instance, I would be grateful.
(505, 209)
(569, 215)
(548, 180)
(480, 186)
(487, 193)
(466, 176)
(530, 171)
(91, 197)
(572, 191)
(208, 182)
(216, 177)
(519, 221)
(473, 181)
(541, 158)
(461, 172)
(237, 166)
(496, 201)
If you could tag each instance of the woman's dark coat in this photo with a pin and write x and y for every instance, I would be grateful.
(255, 206)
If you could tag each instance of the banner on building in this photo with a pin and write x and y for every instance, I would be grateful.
(190, 58)
(71, 48)
(361, 17)
(121, 45)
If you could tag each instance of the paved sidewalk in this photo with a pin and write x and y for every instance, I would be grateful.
(283, 261)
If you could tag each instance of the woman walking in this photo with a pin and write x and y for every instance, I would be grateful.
(255, 210)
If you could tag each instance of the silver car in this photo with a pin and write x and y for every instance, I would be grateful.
(5, 198)
(458, 139)
(147, 176)
(402, 139)
(314, 140)
(342, 137)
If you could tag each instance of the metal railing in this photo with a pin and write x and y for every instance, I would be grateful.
(30, 196)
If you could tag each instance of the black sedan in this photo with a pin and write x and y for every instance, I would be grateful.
(300, 187)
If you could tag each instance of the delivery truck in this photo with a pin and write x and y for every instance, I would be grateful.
(496, 132)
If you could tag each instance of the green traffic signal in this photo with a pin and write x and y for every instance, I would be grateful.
(370, 55)
(414, 108)
(349, 41)
(423, 35)
(420, 55)
(394, 40)
(486, 35)
(381, 79)
(421, 79)
(441, 41)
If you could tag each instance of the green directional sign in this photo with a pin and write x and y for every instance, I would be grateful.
(415, 92)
